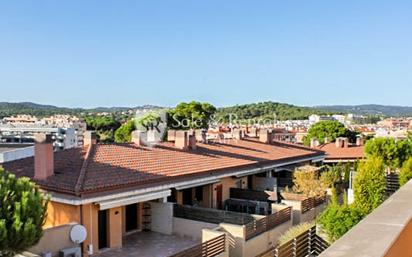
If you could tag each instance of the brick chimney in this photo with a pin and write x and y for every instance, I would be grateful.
(181, 139)
(89, 138)
(200, 135)
(338, 142)
(253, 132)
(265, 136)
(171, 135)
(138, 137)
(360, 141)
(342, 142)
(345, 142)
(192, 142)
(237, 134)
(43, 156)
(314, 142)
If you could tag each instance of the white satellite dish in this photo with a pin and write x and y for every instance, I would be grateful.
(78, 234)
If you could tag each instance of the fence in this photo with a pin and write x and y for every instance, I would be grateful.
(210, 248)
(253, 195)
(306, 244)
(311, 202)
(392, 183)
(269, 222)
(211, 215)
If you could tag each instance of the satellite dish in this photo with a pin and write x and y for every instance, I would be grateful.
(78, 234)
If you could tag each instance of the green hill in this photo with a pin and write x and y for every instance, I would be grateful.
(266, 110)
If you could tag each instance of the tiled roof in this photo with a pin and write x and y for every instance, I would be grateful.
(115, 166)
(352, 152)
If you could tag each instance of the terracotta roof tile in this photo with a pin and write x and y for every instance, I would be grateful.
(113, 166)
(352, 152)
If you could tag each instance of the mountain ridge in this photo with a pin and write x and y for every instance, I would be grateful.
(14, 108)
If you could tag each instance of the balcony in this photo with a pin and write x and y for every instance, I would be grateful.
(248, 234)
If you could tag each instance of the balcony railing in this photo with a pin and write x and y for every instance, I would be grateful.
(311, 202)
(307, 243)
(267, 223)
(211, 215)
(210, 248)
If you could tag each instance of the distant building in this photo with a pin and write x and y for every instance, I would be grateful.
(314, 118)
(393, 123)
(63, 138)
(21, 119)
(56, 124)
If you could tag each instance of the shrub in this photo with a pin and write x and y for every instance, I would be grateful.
(369, 184)
(405, 173)
(295, 231)
(306, 182)
(337, 219)
(22, 213)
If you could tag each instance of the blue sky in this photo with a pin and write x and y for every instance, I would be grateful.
(127, 53)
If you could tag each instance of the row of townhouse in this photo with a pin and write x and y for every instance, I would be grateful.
(127, 196)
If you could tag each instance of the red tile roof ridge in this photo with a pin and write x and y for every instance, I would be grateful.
(83, 170)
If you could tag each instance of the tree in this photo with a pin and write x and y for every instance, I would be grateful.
(327, 129)
(305, 181)
(369, 184)
(405, 173)
(193, 115)
(104, 125)
(392, 152)
(124, 133)
(267, 110)
(22, 214)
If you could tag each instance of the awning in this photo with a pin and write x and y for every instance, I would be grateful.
(196, 184)
(108, 204)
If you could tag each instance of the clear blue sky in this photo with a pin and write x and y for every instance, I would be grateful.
(127, 53)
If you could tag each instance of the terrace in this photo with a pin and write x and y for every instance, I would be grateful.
(151, 244)
(248, 234)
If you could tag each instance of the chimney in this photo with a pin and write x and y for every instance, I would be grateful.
(171, 135)
(359, 141)
(89, 138)
(237, 134)
(345, 142)
(313, 142)
(43, 156)
(181, 139)
(138, 137)
(253, 132)
(265, 136)
(326, 140)
(338, 142)
(200, 135)
(192, 142)
(342, 142)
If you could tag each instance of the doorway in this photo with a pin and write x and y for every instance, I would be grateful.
(131, 217)
(102, 229)
(187, 196)
(219, 196)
